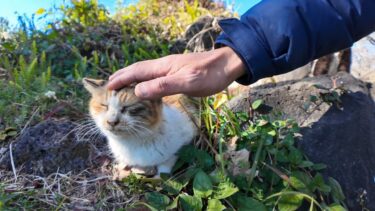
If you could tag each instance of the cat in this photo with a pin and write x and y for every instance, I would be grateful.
(142, 134)
(332, 63)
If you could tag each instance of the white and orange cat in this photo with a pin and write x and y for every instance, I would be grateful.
(141, 133)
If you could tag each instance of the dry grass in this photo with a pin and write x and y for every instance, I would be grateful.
(87, 190)
(90, 189)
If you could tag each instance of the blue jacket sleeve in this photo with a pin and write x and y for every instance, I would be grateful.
(277, 36)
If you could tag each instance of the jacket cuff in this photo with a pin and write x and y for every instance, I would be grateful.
(244, 41)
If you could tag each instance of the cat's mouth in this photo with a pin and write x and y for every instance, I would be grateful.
(118, 130)
(114, 129)
(127, 132)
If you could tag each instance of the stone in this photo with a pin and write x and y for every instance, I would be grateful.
(363, 65)
(296, 74)
(363, 58)
(52, 146)
(340, 134)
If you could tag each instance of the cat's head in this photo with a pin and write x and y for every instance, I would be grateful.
(121, 112)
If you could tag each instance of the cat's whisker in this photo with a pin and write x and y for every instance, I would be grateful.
(88, 131)
(137, 132)
(140, 125)
(84, 122)
(132, 131)
(74, 130)
(141, 131)
(93, 135)
(81, 130)
(81, 127)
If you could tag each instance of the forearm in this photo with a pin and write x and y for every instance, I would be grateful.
(278, 36)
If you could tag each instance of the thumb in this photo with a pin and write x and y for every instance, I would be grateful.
(158, 88)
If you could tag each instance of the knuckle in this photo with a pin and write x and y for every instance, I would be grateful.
(197, 72)
(162, 85)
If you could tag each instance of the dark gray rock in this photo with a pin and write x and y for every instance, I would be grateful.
(340, 135)
(345, 140)
(49, 147)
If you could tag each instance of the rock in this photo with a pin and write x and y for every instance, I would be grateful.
(363, 57)
(296, 74)
(363, 65)
(341, 136)
(52, 146)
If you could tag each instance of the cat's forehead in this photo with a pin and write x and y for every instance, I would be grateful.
(123, 96)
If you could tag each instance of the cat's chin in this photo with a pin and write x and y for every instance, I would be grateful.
(119, 133)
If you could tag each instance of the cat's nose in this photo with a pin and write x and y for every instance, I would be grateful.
(113, 122)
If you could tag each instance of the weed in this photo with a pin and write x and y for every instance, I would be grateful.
(257, 167)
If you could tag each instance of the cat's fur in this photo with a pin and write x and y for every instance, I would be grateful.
(141, 133)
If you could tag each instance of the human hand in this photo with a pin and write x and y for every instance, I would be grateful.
(194, 74)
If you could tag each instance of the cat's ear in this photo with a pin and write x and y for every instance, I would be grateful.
(94, 86)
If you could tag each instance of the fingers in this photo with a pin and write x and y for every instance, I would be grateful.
(141, 71)
(160, 87)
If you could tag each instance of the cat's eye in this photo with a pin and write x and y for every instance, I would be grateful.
(104, 105)
(136, 110)
(124, 108)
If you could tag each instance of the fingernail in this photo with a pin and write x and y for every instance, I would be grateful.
(140, 91)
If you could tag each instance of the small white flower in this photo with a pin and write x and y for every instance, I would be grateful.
(5, 35)
(50, 94)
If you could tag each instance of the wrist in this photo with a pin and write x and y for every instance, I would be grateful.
(233, 65)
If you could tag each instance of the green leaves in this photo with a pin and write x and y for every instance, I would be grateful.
(157, 200)
(297, 183)
(318, 183)
(295, 156)
(7, 133)
(191, 155)
(225, 189)
(215, 205)
(173, 187)
(191, 203)
(290, 202)
(336, 207)
(202, 185)
(319, 166)
(337, 193)
(256, 104)
(244, 203)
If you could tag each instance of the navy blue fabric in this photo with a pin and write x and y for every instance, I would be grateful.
(277, 36)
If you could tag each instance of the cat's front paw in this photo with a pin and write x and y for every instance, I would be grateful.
(148, 171)
(120, 172)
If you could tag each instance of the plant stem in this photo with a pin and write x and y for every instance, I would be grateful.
(221, 134)
(256, 161)
(312, 200)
